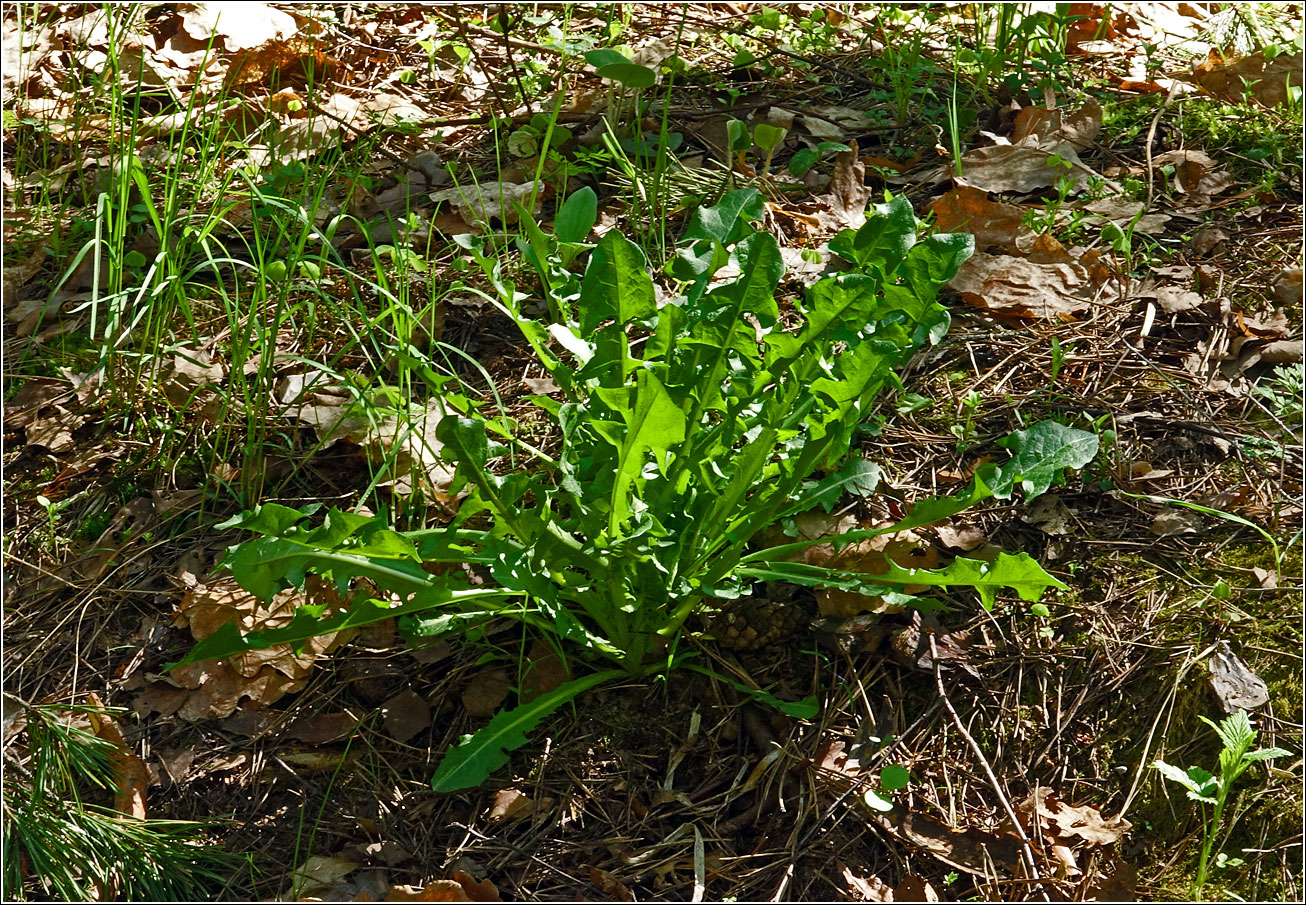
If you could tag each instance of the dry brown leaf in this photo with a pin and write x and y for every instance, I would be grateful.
(216, 688)
(870, 889)
(511, 804)
(405, 715)
(1265, 81)
(848, 193)
(323, 728)
(544, 672)
(481, 203)
(1019, 289)
(968, 209)
(133, 777)
(1079, 824)
(485, 692)
(1019, 169)
(906, 548)
(1235, 686)
(238, 26)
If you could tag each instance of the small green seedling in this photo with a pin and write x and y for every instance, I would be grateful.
(1238, 736)
(806, 158)
(893, 778)
(768, 138)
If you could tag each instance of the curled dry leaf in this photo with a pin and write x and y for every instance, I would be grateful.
(1250, 77)
(1235, 686)
(485, 692)
(405, 715)
(214, 688)
(906, 548)
(479, 204)
(1075, 824)
(133, 777)
(995, 226)
(1019, 289)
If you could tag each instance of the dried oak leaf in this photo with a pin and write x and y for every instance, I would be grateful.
(1082, 823)
(1265, 81)
(906, 548)
(1235, 686)
(216, 687)
(995, 226)
(132, 776)
(1019, 289)
(405, 715)
(485, 692)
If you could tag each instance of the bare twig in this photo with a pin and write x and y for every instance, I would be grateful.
(1025, 847)
(1151, 136)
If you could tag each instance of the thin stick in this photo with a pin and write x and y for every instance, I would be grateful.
(1151, 134)
(1025, 847)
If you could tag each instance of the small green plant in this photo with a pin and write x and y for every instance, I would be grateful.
(1236, 758)
(964, 431)
(806, 158)
(686, 430)
(893, 778)
(1283, 392)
